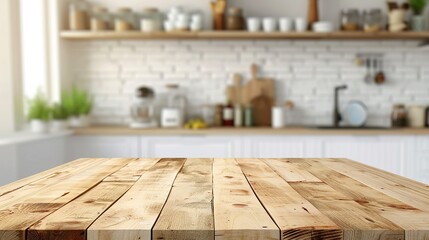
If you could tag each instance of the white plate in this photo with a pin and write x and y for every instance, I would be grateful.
(355, 114)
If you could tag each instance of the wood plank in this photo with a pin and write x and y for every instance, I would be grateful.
(25, 213)
(133, 171)
(188, 213)
(412, 220)
(238, 214)
(242, 35)
(356, 221)
(71, 221)
(10, 198)
(134, 215)
(296, 217)
(6, 189)
(291, 172)
(391, 186)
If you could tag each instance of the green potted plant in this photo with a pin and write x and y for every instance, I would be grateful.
(419, 20)
(59, 118)
(39, 113)
(78, 104)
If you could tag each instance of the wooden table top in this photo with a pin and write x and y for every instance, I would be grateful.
(131, 199)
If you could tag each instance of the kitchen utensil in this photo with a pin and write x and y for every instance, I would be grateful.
(285, 24)
(258, 86)
(235, 19)
(238, 90)
(313, 12)
(301, 25)
(262, 110)
(416, 116)
(143, 109)
(379, 78)
(269, 24)
(368, 76)
(218, 10)
(355, 114)
(253, 24)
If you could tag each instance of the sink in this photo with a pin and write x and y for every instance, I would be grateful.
(353, 128)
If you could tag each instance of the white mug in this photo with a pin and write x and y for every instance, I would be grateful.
(253, 24)
(278, 117)
(269, 24)
(301, 24)
(286, 24)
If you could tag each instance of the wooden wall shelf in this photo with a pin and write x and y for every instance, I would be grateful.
(242, 35)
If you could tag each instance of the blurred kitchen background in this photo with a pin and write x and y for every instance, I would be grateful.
(236, 78)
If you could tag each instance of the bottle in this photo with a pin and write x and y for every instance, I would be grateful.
(248, 116)
(218, 117)
(228, 115)
(238, 115)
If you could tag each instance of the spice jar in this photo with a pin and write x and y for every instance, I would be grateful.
(373, 20)
(235, 19)
(124, 20)
(151, 20)
(100, 19)
(350, 20)
(399, 116)
(78, 15)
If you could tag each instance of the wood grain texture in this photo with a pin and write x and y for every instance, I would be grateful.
(241, 35)
(216, 131)
(188, 213)
(222, 199)
(238, 213)
(296, 217)
(28, 211)
(134, 215)
(71, 221)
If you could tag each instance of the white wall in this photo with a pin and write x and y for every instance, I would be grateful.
(10, 77)
(305, 72)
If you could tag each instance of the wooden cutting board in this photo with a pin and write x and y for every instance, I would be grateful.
(260, 94)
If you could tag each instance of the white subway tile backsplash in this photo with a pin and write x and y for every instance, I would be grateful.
(305, 72)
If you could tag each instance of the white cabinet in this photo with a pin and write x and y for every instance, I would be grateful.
(282, 147)
(189, 146)
(8, 164)
(387, 153)
(102, 147)
(420, 160)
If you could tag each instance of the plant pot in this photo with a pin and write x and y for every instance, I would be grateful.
(418, 23)
(80, 121)
(39, 126)
(59, 125)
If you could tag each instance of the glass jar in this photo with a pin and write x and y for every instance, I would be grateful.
(177, 100)
(125, 20)
(143, 109)
(373, 20)
(151, 20)
(100, 19)
(399, 116)
(78, 15)
(235, 19)
(350, 20)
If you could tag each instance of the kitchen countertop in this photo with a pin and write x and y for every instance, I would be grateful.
(115, 130)
(128, 199)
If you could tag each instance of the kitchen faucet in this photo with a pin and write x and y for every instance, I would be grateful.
(337, 114)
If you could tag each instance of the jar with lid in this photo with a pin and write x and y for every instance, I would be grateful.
(399, 116)
(125, 20)
(416, 116)
(177, 100)
(350, 20)
(235, 19)
(100, 19)
(151, 20)
(78, 15)
(143, 109)
(373, 20)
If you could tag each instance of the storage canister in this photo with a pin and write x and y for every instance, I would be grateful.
(100, 19)
(78, 15)
(416, 116)
(124, 20)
